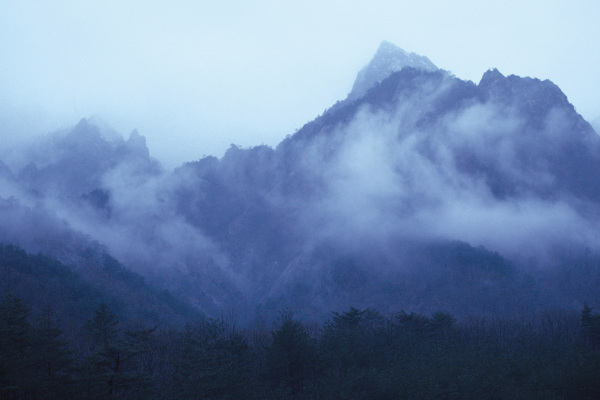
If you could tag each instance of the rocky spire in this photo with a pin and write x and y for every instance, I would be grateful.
(387, 60)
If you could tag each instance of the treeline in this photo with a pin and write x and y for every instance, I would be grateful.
(75, 292)
(356, 354)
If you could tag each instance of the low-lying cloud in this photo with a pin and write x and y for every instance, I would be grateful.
(406, 172)
(394, 177)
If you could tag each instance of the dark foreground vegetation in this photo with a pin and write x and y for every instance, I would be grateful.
(356, 354)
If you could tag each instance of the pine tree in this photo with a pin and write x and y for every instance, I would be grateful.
(291, 358)
(110, 370)
(16, 349)
(590, 325)
(211, 362)
(102, 368)
(54, 361)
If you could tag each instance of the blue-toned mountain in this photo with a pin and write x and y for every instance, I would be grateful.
(419, 191)
(421, 158)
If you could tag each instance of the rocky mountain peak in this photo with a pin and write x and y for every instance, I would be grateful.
(387, 60)
(534, 97)
(137, 144)
(490, 77)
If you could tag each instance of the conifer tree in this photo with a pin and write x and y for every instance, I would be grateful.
(291, 358)
(16, 349)
(54, 361)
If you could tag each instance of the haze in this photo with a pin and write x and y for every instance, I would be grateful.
(194, 77)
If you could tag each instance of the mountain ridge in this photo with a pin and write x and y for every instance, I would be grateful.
(423, 192)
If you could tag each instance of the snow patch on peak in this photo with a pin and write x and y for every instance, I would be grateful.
(387, 60)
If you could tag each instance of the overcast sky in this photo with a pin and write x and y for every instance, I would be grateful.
(196, 76)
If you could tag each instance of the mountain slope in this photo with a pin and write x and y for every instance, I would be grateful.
(419, 191)
(422, 156)
(75, 293)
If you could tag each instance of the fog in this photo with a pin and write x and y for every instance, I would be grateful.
(196, 77)
(422, 159)
(393, 179)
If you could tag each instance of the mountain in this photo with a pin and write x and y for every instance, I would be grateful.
(68, 163)
(75, 293)
(387, 60)
(419, 191)
(346, 210)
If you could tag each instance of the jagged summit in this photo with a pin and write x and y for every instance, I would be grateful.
(387, 60)
(136, 144)
(417, 193)
(533, 96)
(490, 76)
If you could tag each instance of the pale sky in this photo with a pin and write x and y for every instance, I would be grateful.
(197, 76)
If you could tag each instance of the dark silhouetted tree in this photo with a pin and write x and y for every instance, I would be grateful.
(110, 370)
(291, 357)
(16, 349)
(212, 362)
(590, 325)
(54, 361)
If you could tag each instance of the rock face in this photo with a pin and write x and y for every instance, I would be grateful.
(420, 191)
(72, 163)
(420, 161)
(387, 60)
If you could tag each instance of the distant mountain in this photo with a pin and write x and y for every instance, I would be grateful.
(422, 157)
(420, 191)
(87, 185)
(387, 60)
(75, 162)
